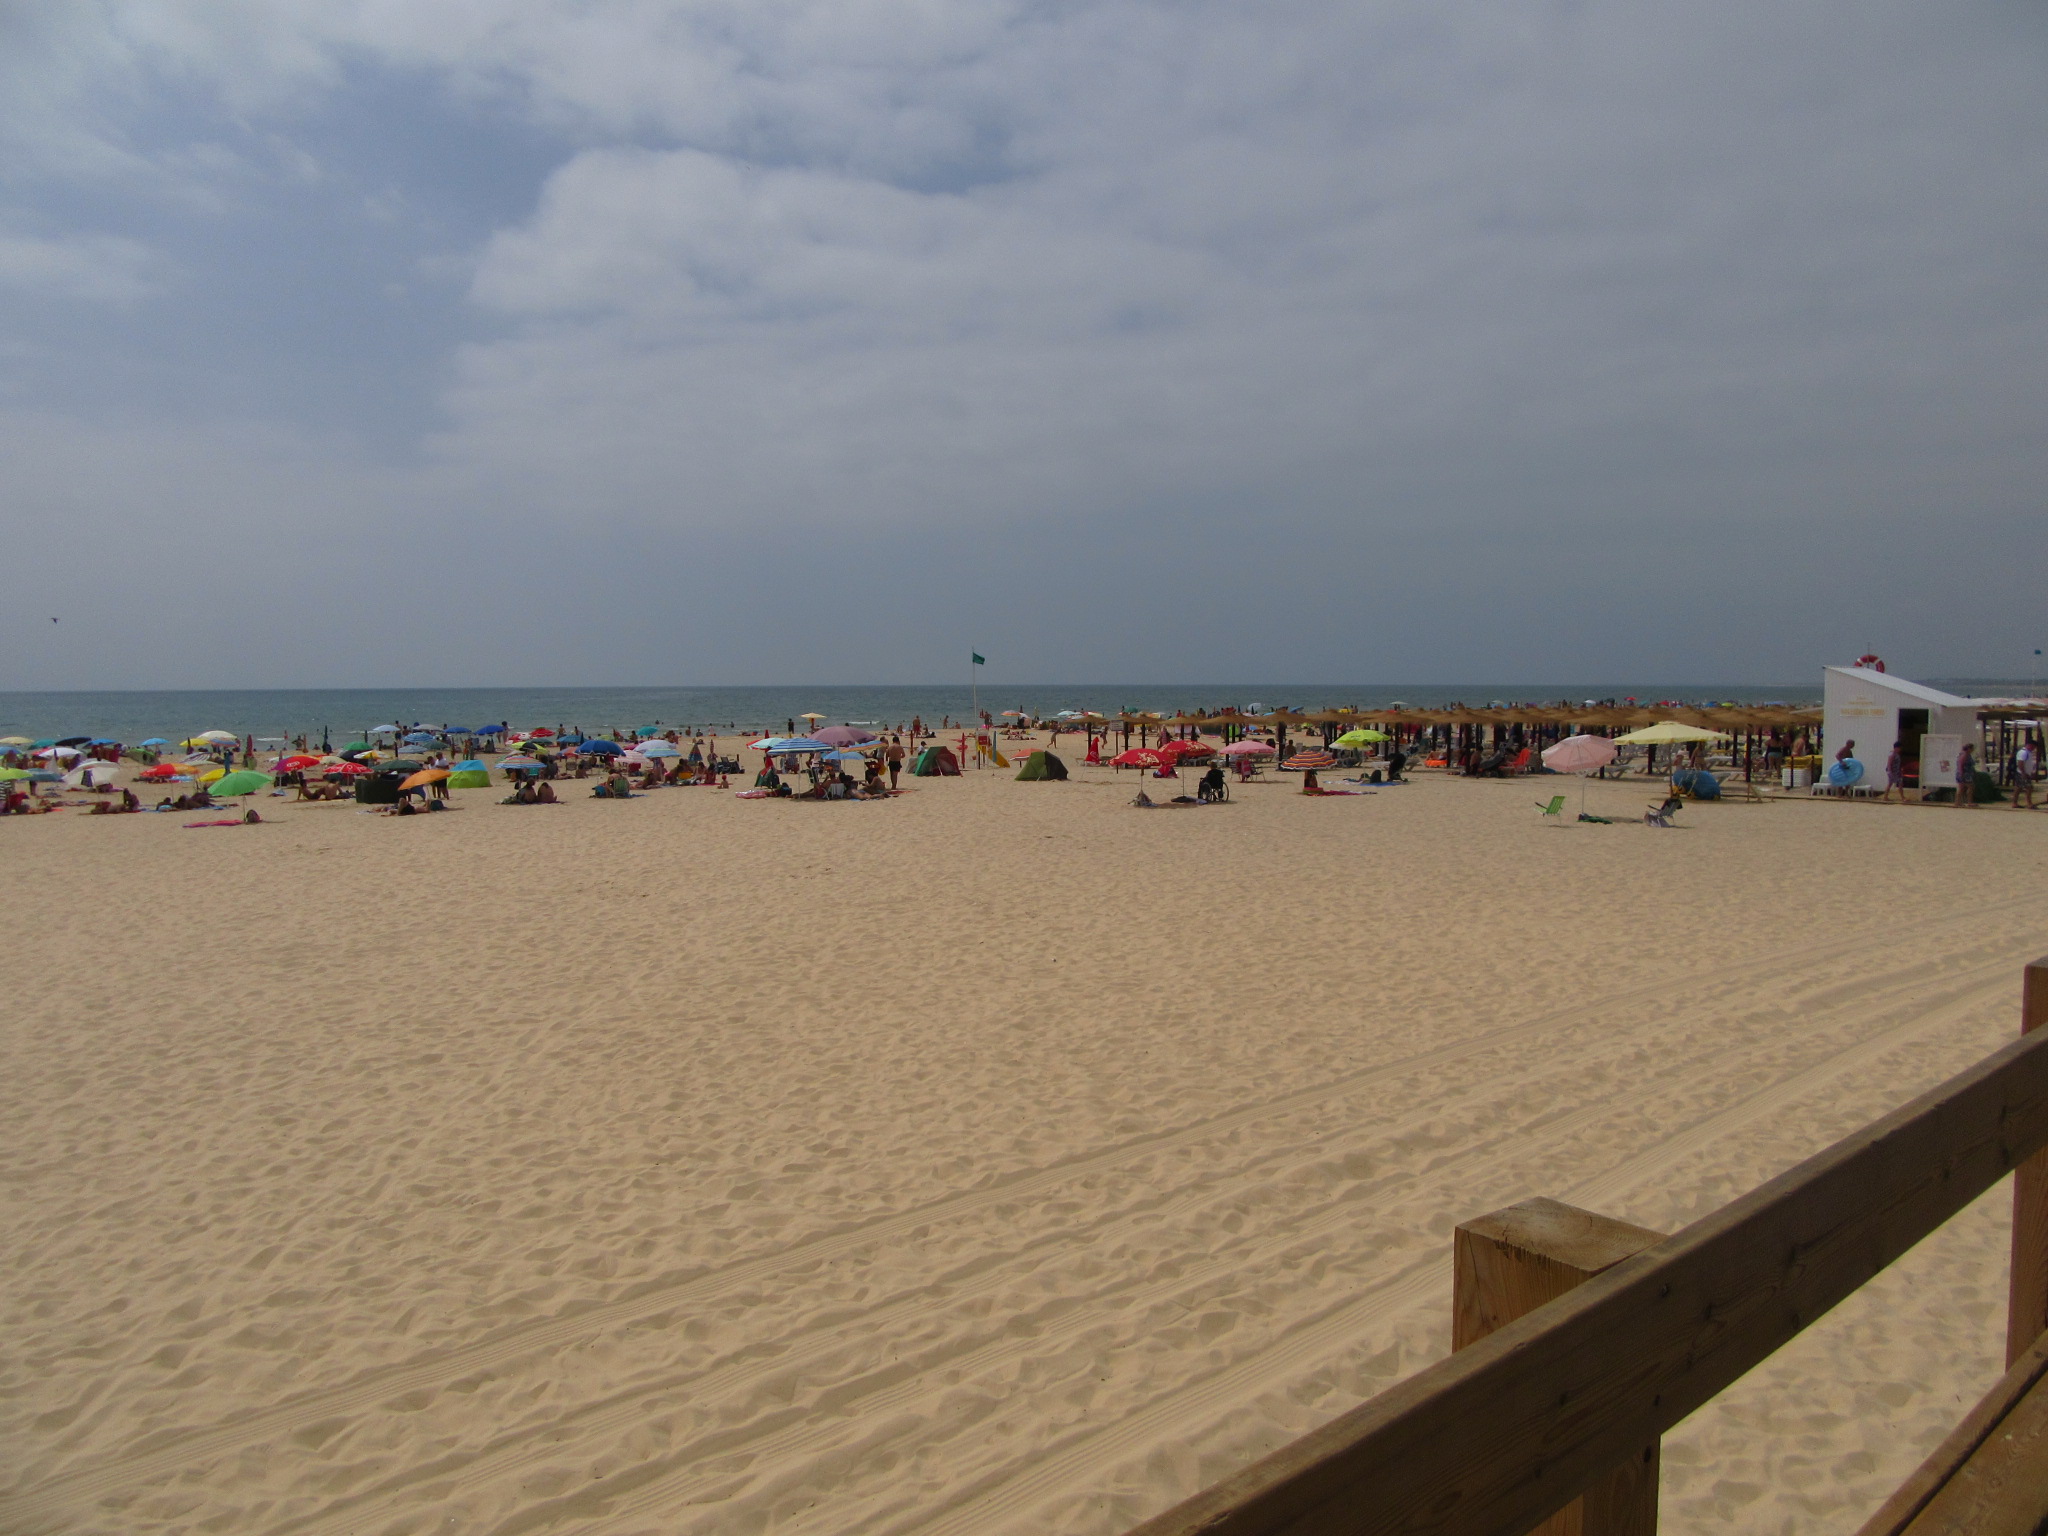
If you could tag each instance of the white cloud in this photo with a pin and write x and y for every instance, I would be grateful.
(96, 268)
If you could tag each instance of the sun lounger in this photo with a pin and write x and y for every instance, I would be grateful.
(1660, 815)
(1552, 809)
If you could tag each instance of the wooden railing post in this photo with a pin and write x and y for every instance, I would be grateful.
(1511, 1262)
(2027, 1310)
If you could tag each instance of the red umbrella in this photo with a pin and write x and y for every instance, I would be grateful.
(1137, 757)
(297, 761)
(1181, 749)
(540, 731)
(160, 772)
(345, 770)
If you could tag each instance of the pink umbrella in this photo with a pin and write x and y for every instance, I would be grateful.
(1247, 749)
(1579, 754)
(842, 735)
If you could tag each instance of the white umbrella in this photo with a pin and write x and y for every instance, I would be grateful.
(658, 749)
(59, 752)
(217, 736)
(91, 773)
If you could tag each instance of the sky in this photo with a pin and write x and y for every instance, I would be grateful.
(548, 342)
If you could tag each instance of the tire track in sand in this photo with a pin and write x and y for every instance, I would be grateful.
(172, 1450)
(792, 1431)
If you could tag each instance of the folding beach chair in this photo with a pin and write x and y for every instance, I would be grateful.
(1660, 815)
(1552, 809)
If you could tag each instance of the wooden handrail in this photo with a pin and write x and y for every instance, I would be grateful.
(1498, 1436)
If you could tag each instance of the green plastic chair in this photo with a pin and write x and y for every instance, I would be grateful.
(1554, 810)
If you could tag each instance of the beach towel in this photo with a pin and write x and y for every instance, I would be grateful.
(235, 822)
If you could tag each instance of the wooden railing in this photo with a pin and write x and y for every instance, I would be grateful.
(1556, 1411)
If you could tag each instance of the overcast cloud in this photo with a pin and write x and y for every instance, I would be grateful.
(505, 341)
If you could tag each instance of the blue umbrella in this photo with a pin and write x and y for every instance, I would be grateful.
(798, 744)
(488, 730)
(420, 736)
(844, 757)
(156, 741)
(103, 741)
(601, 748)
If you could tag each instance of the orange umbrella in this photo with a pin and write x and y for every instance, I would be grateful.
(423, 777)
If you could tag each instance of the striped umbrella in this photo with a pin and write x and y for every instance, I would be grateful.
(1315, 758)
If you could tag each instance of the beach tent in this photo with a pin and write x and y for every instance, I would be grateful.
(1040, 766)
(934, 761)
(470, 774)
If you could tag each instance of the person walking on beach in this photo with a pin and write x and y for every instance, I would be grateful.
(1966, 777)
(1895, 774)
(2026, 767)
(895, 756)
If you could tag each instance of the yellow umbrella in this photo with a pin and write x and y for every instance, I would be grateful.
(213, 775)
(1668, 732)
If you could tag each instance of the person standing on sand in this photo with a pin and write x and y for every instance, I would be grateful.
(895, 756)
(1895, 774)
(1966, 778)
(2026, 767)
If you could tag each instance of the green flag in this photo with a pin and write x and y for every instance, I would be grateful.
(979, 661)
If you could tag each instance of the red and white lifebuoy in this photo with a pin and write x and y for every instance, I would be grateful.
(1870, 662)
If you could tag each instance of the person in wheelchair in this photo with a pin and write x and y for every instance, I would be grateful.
(1213, 787)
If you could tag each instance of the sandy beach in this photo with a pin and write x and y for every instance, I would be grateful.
(997, 1158)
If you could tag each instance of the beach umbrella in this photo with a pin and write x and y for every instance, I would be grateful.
(843, 735)
(420, 737)
(23, 741)
(47, 741)
(1137, 757)
(844, 755)
(1359, 738)
(345, 771)
(212, 775)
(1248, 749)
(810, 717)
(424, 777)
(796, 744)
(385, 730)
(44, 776)
(243, 782)
(596, 748)
(540, 730)
(488, 730)
(160, 773)
(60, 752)
(1579, 754)
(103, 741)
(1315, 759)
(297, 761)
(90, 773)
(227, 736)
(355, 746)
(14, 773)
(1667, 732)
(659, 749)
(74, 741)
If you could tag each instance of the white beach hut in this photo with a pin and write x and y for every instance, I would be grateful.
(1875, 709)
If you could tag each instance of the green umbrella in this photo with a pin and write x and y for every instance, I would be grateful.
(13, 773)
(1360, 737)
(243, 782)
(359, 746)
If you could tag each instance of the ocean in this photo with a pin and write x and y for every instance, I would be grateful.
(344, 713)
